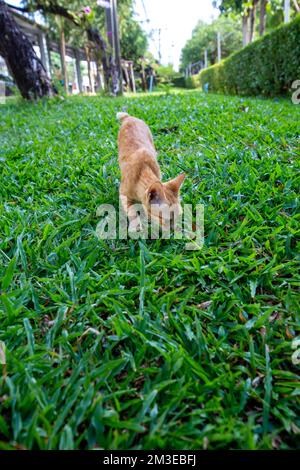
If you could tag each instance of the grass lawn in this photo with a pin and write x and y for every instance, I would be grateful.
(141, 344)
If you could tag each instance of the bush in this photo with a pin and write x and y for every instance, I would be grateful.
(193, 81)
(179, 82)
(267, 66)
(165, 74)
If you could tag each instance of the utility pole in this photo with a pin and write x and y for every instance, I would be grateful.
(159, 45)
(159, 31)
(116, 43)
(112, 31)
(219, 46)
(109, 28)
(287, 10)
(62, 45)
(205, 59)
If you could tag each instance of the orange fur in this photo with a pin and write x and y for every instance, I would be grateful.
(141, 178)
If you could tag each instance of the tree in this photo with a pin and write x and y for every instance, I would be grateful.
(133, 39)
(204, 37)
(253, 10)
(270, 14)
(297, 6)
(62, 46)
(87, 26)
(25, 67)
(247, 10)
(79, 18)
(262, 17)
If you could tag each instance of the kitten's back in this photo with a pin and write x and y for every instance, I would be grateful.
(134, 134)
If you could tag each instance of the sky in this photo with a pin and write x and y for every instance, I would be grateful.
(176, 19)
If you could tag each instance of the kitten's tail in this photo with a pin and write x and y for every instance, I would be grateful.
(122, 116)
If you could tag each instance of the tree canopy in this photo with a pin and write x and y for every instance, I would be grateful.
(273, 10)
(132, 37)
(204, 36)
(240, 21)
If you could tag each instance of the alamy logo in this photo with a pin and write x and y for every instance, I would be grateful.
(296, 94)
(187, 226)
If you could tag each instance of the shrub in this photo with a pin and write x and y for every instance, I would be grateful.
(165, 74)
(179, 82)
(193, 81)
(267, 66)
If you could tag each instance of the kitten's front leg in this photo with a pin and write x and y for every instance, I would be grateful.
(135, 224)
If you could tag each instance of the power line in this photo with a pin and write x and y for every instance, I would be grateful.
(144, 7)
(151, 34)
(152, 31)
(146, 20)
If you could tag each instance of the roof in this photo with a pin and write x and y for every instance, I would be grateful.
(26, 22)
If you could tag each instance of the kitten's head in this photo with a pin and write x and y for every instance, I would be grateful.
(163, 202)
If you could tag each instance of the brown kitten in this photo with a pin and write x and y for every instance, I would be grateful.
(141, 178)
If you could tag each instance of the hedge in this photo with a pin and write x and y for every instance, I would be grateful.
(193, 81)
(179, 82)
(267, 66)
(187, 82)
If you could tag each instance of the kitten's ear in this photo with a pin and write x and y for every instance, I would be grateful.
(155, 194)
(174, 184)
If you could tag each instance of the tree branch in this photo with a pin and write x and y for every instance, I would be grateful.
(21, 9)
(92, 33)
(296, 6)
(52, 8)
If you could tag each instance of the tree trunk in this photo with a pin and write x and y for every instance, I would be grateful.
(98, 75)
(62, 46)
(95, 37)
(262, 17)
(252, 19)
(297, 7)
(93, 34)
(143, 77)
(245, 19)
(88, 59)
(24, 65)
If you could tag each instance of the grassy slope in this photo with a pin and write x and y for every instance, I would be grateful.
(201, 355)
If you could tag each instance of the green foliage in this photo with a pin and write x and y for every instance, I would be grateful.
(179, 81)
(126, 344)
(192, 81)
(274, 10)
(165, 74)
(268, 66)
(204, 37)
(230, 6)
(132, 37)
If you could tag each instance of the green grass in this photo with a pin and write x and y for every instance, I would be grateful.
(142, 344)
